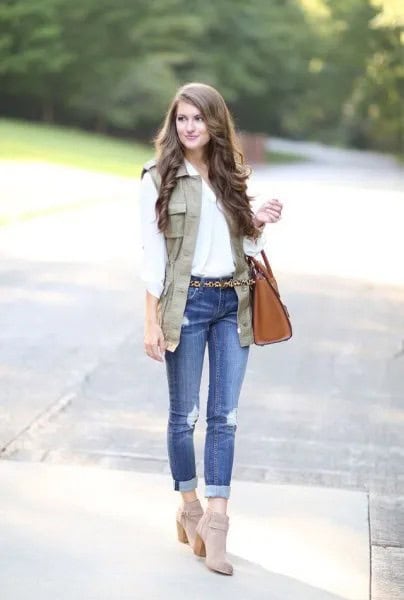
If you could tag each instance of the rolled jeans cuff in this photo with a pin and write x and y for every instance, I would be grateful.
(186, 486)
(217, 490)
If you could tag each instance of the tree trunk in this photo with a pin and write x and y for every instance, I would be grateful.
(100, 124)
(48, 111)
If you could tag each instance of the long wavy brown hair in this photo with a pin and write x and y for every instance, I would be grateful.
(227, 169)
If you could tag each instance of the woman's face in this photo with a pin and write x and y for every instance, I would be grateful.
(191, 127)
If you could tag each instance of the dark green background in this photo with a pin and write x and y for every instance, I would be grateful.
(313, 69)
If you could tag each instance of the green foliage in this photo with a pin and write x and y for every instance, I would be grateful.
(32, 49)
(375, 113)
(301, 68)
(126, 56)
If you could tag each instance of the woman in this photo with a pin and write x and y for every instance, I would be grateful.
(197, 225)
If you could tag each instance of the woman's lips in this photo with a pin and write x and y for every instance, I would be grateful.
(191, 137)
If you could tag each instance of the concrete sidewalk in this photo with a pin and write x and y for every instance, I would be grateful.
(87, 533)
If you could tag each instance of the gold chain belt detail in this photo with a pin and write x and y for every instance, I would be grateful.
(226, 283)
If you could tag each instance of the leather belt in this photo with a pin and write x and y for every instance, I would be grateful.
(221, 283)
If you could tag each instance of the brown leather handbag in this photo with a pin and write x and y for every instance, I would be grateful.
(270, 318)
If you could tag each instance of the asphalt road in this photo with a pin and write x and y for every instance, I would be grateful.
(325, 408)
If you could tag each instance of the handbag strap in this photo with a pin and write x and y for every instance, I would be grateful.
(260, 267)
(266, 262)
(266, 270)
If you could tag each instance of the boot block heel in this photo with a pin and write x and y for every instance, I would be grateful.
(182, 536)
(199, 546)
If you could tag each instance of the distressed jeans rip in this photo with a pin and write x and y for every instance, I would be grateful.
(193, 416)
(232, 417)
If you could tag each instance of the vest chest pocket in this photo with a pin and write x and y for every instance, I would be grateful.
(176, 219)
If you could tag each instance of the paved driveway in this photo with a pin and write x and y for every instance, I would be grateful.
(326, 408)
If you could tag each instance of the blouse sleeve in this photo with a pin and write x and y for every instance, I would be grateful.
(153, 243)
(251, 247)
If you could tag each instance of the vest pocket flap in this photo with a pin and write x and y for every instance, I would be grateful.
(176, 208)
(176, 219)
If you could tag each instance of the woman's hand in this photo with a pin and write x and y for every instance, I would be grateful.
(154, 342)
(268, 212)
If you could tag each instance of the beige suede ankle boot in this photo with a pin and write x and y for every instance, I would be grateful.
(187, 519)
(210, 541)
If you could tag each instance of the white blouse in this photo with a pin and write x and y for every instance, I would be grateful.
(212, 257)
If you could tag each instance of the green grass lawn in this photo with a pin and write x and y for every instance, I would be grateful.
(278, 158)
(21, 140)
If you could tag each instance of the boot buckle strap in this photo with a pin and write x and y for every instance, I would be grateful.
(189, 513)
(216, 525)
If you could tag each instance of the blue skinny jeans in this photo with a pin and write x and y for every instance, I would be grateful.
(210, 317)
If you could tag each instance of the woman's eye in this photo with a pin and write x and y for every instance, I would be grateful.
(198, 118)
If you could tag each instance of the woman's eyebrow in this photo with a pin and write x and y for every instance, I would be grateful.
(182, 115)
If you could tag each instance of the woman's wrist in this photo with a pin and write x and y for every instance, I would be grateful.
(151, 320)
(258, 223)
(151, 316)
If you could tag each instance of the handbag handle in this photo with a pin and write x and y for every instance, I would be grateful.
(265, 270)
(258, 265)
(266, 262)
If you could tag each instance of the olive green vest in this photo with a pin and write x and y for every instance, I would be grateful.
(183, 220)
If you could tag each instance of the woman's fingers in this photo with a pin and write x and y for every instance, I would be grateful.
(275, 211)
(149, 350)
(155, 352)
(272, 211)
(274, 205)
(271, 214)
(162, 346)
(154, 342)
(152, 350)
(273, 208)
